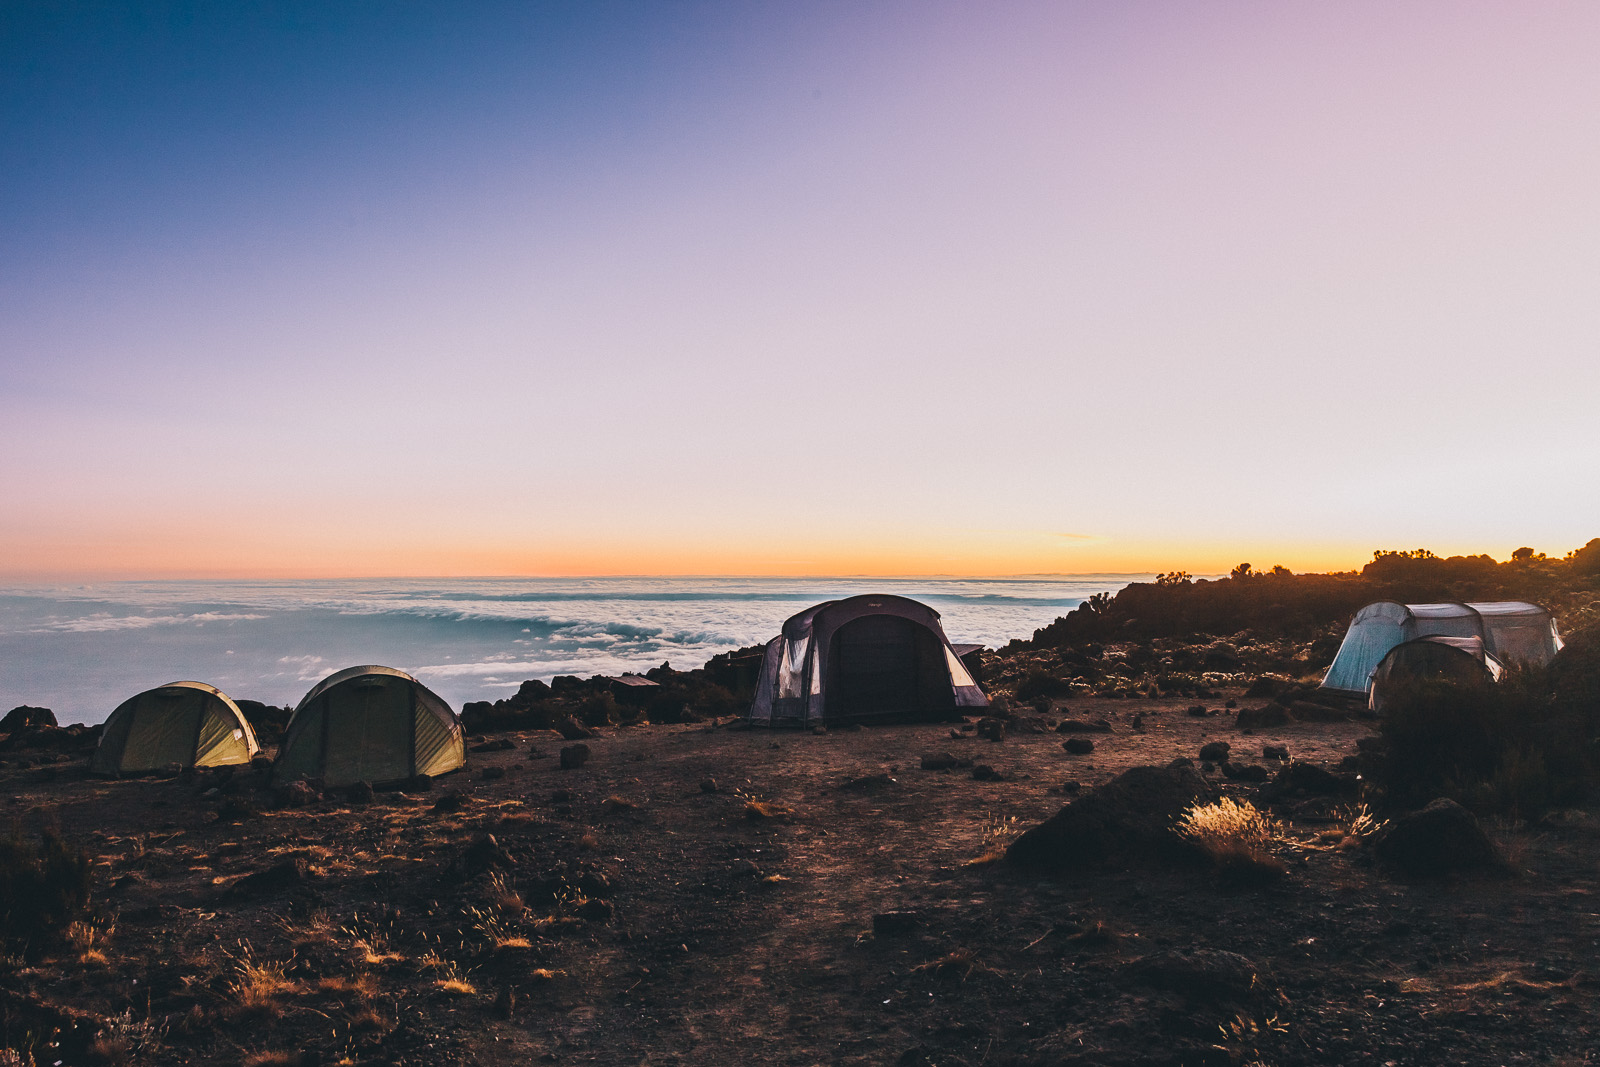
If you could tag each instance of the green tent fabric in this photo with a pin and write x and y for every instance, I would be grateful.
(191, 724)
(370, 724)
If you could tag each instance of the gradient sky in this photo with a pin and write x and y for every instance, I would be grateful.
(898, 287)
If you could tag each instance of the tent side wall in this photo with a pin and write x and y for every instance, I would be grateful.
(438, 745)
(1375, 630)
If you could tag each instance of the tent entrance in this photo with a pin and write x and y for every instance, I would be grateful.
(884, 665)
(369, 737)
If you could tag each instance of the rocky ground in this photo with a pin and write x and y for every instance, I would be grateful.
(702, 894)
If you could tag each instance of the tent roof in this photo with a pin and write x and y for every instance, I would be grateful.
(340, 677)
(840, 611)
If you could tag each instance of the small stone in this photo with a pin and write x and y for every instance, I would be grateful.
(895, 923)
(1277, 752)
(596, 911)
(574, 756)
(708, 785)
(1078, 746)
(1215, 751)
(491, 774)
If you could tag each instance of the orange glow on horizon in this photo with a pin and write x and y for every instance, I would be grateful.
(156, 556)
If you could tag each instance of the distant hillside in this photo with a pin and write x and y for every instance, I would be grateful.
(1281, 604)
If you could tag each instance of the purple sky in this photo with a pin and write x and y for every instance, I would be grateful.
(816, 287)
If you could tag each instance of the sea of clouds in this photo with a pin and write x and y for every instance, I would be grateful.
(81, 650)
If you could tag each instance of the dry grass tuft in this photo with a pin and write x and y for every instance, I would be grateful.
(1357, 824)
(614, 803)
(1095, 935)
(275, 1058)
(761, 810)
(961, 964)
(255, 988)
(457, 987)
(89, 938)
(503, 898)
(998, 833)
(1234, 836)
(359, 988)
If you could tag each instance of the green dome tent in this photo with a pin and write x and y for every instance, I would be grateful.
(188, 723)
(370, 724)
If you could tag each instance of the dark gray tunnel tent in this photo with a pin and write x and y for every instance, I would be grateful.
(875, 656)
(1462, 660)
(370, 724)
(191, 724)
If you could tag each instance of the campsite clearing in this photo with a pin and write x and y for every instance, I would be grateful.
(707, 895)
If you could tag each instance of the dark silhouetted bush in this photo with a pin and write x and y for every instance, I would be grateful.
(1508, 748)
(43, 887)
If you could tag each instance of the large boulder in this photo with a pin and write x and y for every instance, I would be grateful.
(1440, 839)
(26, 718)
(1264, 717)
(1203, 974)
(1134, 812)
(1300, 779)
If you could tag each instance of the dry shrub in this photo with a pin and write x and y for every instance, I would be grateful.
(613, 804)
(43, 888)
(1234, 836)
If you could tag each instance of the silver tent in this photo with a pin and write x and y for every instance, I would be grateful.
(875, 656)
(1511, 631)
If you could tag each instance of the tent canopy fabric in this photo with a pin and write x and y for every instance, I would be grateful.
(873, 656)
(1456, 659)
(370, 724)
(191, 724)
(1511, 631)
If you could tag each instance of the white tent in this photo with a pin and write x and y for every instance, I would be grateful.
(875, 656)
(1511, 631)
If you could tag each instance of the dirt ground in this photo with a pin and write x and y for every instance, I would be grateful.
(626, 913)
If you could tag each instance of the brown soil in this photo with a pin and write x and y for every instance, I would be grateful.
(741, 932)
